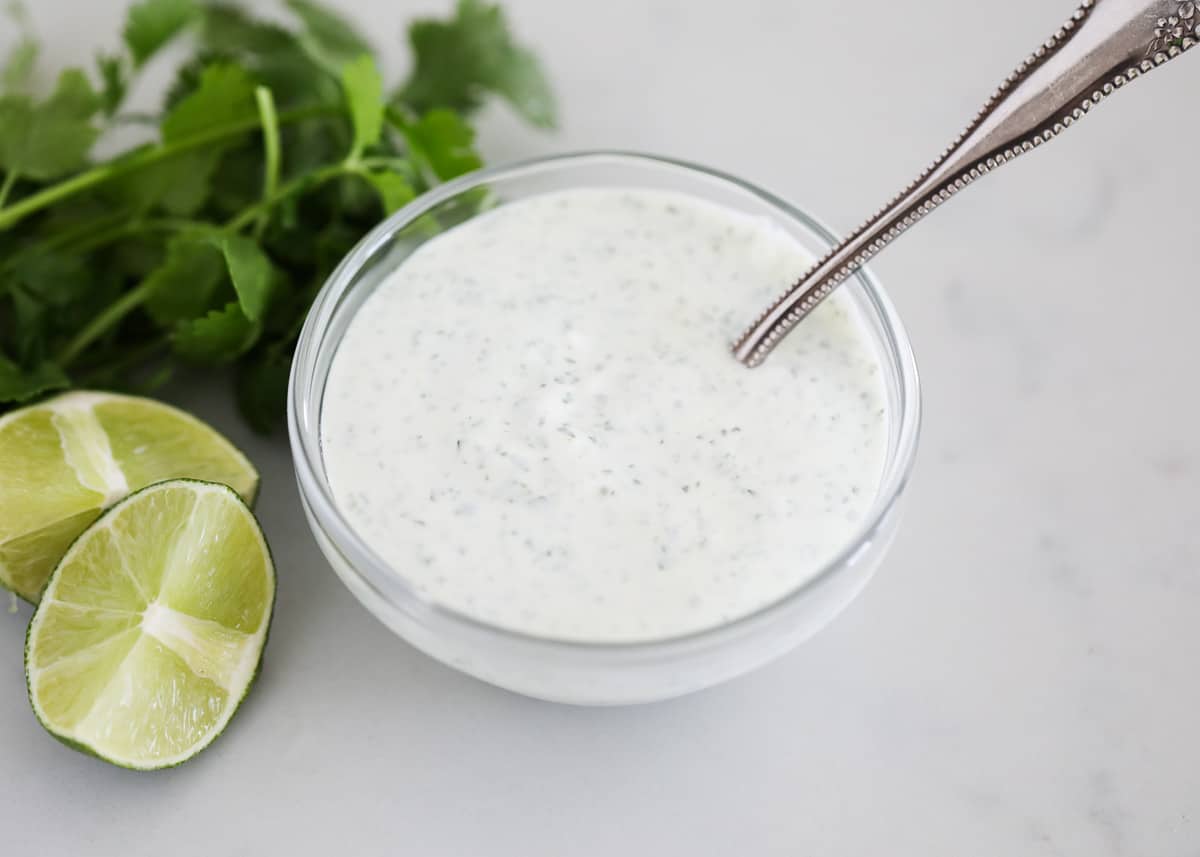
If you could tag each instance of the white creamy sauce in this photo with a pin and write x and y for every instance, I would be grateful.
(536, 419)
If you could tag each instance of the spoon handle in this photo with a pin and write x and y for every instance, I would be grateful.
(1105, 45)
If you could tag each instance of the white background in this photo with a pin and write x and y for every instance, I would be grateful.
(1022, 676)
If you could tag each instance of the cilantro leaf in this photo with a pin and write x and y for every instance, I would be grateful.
(460, 61)
(523, 84)
(250, 270)
(228, 27)
(74, 96)
(444, 142)
(114, 82)
(17, 66)
(217, 338)
(180, 184)
(30, 327)
(364, 96)
(394, 189)
(183, 287)
(43, 141)
(327, 35)
(150, 24)
(54, 294)
(273, 53)
(57, 279)
(237, 183)
(297, 79)
(42, 288)
(20, 385)
(224, 96)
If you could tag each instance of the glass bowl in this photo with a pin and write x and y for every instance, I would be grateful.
(568, 671)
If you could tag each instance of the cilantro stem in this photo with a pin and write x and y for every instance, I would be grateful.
(111, 228)
(144, 158)
(105, 321)
(131, 300)
(270, 132)
(306, 181)
(84, 230)
(309, 181)
(10, 179)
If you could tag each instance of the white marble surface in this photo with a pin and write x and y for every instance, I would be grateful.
(1020, 679)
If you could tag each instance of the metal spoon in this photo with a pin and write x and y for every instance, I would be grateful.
(1105, 45)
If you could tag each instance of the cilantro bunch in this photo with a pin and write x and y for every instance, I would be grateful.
(276, 148)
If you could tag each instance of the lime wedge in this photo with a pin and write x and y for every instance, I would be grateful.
(65, 460)
(151, 629)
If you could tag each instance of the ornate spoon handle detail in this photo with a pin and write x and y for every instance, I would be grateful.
(1105, 45)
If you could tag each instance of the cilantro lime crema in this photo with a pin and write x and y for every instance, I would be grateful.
(536, 421)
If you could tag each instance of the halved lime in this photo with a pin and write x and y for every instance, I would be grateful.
(151, 629)
(65, 460)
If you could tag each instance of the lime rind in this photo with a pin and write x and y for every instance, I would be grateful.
(163, 634)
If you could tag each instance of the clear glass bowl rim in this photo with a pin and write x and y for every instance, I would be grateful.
(303, 412)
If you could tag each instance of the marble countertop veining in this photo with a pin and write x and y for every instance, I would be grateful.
(1021, 677)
